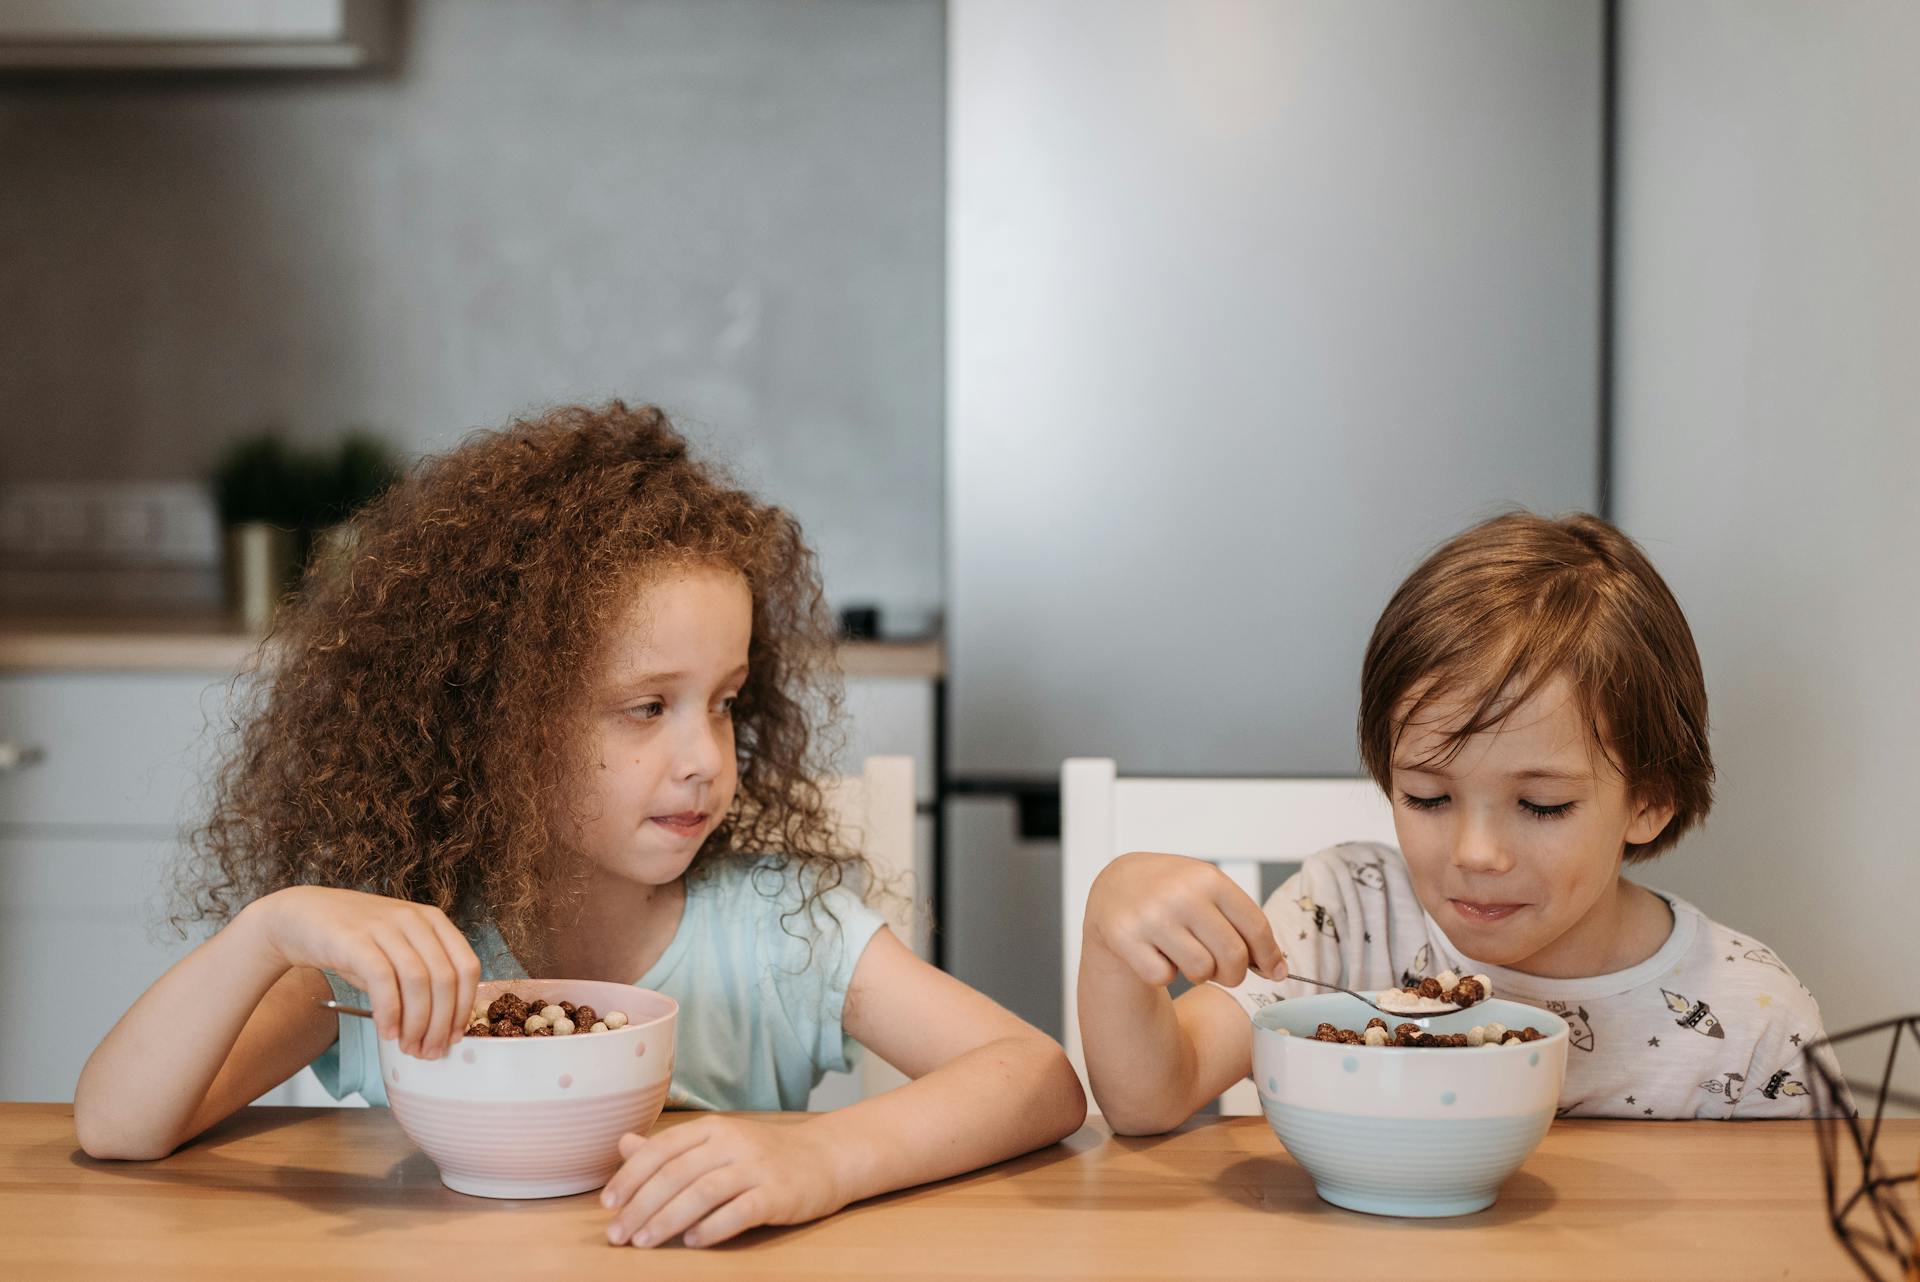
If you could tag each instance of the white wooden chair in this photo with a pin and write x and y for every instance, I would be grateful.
(1239, 824)
(875, 812)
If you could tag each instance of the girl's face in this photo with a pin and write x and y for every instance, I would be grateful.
(1514, 845)
(663, 771)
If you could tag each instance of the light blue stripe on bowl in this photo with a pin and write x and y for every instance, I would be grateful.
(1406, 1166)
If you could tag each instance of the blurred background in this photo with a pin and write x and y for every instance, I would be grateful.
(1118, 357)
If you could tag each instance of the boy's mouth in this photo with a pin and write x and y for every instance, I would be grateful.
(1479, 912)
(684, 824)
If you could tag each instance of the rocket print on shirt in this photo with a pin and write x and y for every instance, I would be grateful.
(1731, 1085)
(1579, 1029)
(1372, 876)
(1780, 1084)
(1322, 919)
(1411, 977)
(1695, 1015)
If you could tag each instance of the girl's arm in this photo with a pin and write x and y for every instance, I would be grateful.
(237, 1015)
(1153, 1061)
(988, 1086)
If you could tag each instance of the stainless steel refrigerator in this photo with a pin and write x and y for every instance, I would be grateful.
(1249, 305)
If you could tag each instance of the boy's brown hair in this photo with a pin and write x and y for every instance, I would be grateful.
(1500, 609)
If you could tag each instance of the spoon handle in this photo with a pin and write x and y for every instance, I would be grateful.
(346, 1010)
(1321, 983)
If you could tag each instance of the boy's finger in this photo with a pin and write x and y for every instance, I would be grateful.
(1263, 950)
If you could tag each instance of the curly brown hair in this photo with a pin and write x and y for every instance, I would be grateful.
(417, 725)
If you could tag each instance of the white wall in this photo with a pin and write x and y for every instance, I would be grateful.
(1768, 398)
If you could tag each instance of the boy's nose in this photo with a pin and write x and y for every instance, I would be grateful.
(1478, 848)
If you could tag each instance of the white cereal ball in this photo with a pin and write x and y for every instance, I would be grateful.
(1283, 1032)
(1447, 980)
(479, 1015)
(562, 1026)
(1375, 1036)
(552, 1014)
(1489, 1046)
(1476, 1036)
(599, 1026)
(1495, 1032)
(1511, 1039)
(536, 1022)
(616, 1019)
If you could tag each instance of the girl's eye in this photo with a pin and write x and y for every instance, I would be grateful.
(647, 711)
(1425, 803)
(1546, 812)
(725, 706)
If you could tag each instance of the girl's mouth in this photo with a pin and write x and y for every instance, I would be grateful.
(684, 824)
(1484, 912)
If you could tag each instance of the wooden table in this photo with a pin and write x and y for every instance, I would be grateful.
(339, 1194)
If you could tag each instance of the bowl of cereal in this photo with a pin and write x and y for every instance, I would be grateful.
(1424, 1116)
(532, 1102)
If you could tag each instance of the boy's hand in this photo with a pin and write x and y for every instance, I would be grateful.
(1167, 914)
(706, 1180)
(416, 968)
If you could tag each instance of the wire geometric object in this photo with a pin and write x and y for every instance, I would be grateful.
(1865, 1202)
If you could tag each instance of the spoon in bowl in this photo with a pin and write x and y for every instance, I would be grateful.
(1441, 1008)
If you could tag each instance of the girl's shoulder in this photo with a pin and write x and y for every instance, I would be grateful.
(796, 899)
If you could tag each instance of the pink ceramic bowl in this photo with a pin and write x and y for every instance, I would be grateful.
(537, 1116)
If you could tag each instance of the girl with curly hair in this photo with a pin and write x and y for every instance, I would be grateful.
(555, 715)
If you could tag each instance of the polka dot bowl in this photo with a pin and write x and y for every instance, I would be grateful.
(527, 1117)
(1401, 1131)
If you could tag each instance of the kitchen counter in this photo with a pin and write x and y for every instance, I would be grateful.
(213, 643)
(341, 1193)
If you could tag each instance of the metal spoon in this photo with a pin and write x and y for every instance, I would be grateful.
(1397, 1014)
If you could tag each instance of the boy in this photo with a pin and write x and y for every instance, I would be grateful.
(1532, 703)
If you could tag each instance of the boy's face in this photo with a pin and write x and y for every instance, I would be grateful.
(663, 771)
(1514, 845)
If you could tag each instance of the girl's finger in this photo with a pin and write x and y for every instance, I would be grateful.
(728, 1221)
(692, 1204)
(373, 975)
(672, 1179)
(416, 993)
(466, 969)
(443, 984)
(653, 1152)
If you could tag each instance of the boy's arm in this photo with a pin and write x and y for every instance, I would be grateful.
(1154, 1061)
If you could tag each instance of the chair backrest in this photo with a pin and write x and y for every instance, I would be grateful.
(874, 812)
(1239, 824)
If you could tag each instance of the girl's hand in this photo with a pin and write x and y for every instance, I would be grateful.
(706, 1180)
(414, 964)
(1164, 915)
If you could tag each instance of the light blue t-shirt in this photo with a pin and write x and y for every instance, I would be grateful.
(761, 998)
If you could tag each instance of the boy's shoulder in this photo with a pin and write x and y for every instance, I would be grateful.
(1735, 975)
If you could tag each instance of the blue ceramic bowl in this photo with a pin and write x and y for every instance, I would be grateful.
(1398, 1131)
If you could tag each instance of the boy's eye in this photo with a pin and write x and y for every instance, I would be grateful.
(1425, 803)
(1546, 812)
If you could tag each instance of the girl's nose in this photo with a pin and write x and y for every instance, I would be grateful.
(701, 751)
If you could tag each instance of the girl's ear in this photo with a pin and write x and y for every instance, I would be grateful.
(1650, 819)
